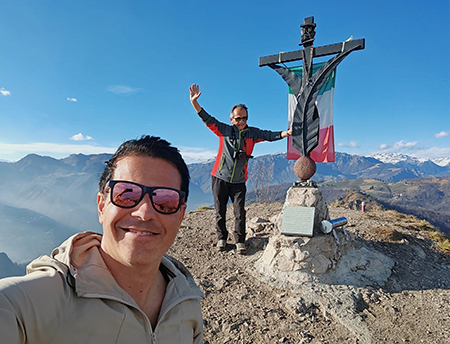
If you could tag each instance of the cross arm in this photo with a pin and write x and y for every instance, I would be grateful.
(336, 48)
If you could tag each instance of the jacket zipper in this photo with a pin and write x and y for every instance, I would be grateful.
(235, 159)
(161, 315)
(221, 162)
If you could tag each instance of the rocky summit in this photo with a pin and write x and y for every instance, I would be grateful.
(389, 283)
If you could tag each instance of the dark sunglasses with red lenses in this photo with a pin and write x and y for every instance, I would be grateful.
(128, 195)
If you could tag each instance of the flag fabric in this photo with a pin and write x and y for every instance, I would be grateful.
(324, 152)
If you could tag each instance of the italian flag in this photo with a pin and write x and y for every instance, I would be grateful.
(324, 152)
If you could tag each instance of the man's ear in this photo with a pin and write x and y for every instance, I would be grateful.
(182, 212)
(100, 206)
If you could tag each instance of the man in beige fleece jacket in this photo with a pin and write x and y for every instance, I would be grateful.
(118, 287)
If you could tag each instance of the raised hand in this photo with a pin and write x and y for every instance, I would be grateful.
(194, 91)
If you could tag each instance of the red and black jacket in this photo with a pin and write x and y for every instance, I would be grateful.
(230, 166)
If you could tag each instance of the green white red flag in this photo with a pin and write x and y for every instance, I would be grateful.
(324, 152)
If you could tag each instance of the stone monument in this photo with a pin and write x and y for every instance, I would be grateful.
(298, 243)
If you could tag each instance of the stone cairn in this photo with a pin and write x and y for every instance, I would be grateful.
(317, 254)
(324, 258)
(310, 255)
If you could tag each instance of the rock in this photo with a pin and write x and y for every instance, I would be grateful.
(361, 268)
(258, 226)
(419, 252)
(318, 254)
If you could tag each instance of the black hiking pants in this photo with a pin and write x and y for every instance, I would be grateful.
(222, 191)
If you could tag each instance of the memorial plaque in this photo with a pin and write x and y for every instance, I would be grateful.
(298, 221)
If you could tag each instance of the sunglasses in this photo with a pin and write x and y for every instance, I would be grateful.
(238, 119)
(128, 195)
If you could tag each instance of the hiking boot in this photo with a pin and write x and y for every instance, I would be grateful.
(240, 247)
(221, 245)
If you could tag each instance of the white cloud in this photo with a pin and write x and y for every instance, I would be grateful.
(442, 134)
(351, 144)
(122, 89)
(432, 153)
(72, 100)
(399, 146)
(81, 137)
(405, 145)
(5, 92)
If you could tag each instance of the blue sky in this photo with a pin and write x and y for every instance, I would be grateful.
(84, 76)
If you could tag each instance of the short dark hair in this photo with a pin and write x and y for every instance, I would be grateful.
(147, 146)
(238, 106)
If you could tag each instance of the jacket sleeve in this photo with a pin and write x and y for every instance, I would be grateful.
(213, 124)
(11, 327)
(265, 135)
(198, 335)
(31, 306)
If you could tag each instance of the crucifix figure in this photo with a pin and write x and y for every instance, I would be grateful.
(305, 126)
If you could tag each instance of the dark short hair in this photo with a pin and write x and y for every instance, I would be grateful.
(147, 146)
(238, 106)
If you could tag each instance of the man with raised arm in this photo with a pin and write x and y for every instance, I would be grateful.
(229, 173)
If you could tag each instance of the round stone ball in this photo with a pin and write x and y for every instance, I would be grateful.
(304, 167)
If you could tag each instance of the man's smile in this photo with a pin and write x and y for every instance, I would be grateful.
(135, 231)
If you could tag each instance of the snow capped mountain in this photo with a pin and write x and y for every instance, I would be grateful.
(394, 158)
(441, 161)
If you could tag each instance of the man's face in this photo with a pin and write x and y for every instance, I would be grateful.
(138, 236)
(239, 118)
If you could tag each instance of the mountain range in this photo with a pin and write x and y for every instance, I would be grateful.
(275, 169)
(44, 200)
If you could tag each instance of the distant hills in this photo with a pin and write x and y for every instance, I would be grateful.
(387, 167)
(426, 198)
(26, 234)
(8, 268)
(44, 200)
